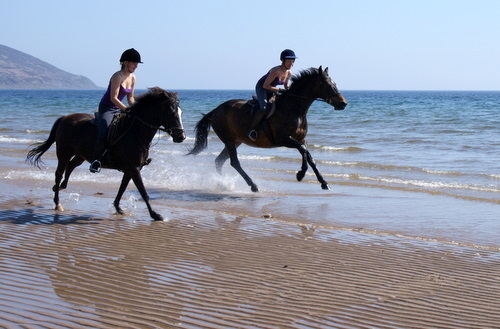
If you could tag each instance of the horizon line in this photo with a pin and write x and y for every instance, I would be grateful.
(237, 89)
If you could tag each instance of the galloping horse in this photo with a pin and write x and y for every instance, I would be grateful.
(75, 136)
(287, 126)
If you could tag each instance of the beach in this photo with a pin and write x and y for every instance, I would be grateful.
(212, 266)
(407, 236)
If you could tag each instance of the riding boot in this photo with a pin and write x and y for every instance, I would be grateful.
(257, 120)
(99, 151)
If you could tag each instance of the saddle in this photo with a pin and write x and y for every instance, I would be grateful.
(253, 106)
(114, 128)
(116, 131)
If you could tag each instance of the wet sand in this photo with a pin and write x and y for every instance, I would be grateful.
(213, 265)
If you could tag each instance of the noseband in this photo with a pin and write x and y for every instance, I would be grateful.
(169, 131)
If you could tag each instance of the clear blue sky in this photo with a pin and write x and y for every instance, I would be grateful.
(229, 44)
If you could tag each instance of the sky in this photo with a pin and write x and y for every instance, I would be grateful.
(230, 44)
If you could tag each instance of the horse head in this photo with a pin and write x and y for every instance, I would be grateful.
(327, 90)
(170, 114)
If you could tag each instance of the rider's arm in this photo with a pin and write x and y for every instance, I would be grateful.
(286, 79)
(115, 89)
(130, 96)
(274, 73)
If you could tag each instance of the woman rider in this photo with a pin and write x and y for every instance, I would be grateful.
(267, 85)
(121, 84)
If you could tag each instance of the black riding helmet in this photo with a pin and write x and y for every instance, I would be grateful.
(286, 54)
(131, 55)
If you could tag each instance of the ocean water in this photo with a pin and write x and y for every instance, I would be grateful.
(424, 164)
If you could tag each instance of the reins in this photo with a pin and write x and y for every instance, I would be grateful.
(147, 124)
(305, 97)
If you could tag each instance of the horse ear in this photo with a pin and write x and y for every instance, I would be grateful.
(326, 71)
(320, 69)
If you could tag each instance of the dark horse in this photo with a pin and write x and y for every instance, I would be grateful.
(287, 126)
(75, 136)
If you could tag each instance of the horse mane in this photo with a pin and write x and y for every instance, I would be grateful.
(151, 97)
(303, 77)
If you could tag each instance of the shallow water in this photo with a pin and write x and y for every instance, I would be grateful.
(418, 164)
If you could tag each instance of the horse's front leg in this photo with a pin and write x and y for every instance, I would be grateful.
(123, 186)
(303, 168)
(303, 150)
(136, 177)
(307, 158)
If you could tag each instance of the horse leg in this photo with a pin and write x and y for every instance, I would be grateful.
(75, 162)
(221, 159)
(303, 169)
(306, 158)
(136, 177)
(123, 186)
(306, 155)
(61, 167)
(235, 163)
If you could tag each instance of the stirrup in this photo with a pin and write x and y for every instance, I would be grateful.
(95, 166)
(252, 135)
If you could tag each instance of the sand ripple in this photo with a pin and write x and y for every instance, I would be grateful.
(210, 270)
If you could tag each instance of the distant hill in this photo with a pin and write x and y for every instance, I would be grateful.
(19, 70)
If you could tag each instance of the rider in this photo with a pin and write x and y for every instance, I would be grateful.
(121, 84)
(267, 85)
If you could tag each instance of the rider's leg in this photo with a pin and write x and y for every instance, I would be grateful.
(257, 118)
(256, 121)
(105, 117)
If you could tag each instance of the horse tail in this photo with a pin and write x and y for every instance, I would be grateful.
(202, 129)
(34, 154)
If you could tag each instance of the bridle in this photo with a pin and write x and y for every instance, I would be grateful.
(169, 131)
(309, 97)
(306, 97)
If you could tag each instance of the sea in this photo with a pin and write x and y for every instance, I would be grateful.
(413, 164)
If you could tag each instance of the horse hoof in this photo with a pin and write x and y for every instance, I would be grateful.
(325, 186)
(255, 189)
(59, 207)
(157, 217)
(300, 175)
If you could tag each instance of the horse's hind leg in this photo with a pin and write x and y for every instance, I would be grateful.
(221, 159)
(75, 162)
(61, 167)
(235, 163)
